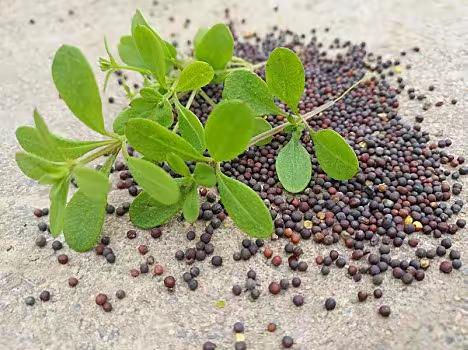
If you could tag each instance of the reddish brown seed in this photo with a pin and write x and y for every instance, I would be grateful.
(274, 288)
(446, 266)
(169, 282)
(319, 260)
(72, 281)
(62, 259)
(362, 296)
(288, 233)
(276, 260)
(268, 252)
(143, 249)
(131, 234)
(107, 307)
(100, 249)
(295, 238)
(38, 212)
(101, 299)
(158, 269)
(134, 273)
(156, 232)
(271, 327)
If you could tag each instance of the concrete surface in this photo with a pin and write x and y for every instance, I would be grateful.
(427, 315)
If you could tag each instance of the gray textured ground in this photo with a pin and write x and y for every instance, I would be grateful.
(427, 315)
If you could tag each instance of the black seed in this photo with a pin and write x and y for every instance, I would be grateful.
(238, 327)
(384, 310)
(57, 245)
(287, 341)
(45, 295)
(41, 241)
(330, 304)
(120, 294)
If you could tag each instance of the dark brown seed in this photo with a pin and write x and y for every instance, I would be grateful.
(362, 296)
(73, 281)
(107, 307)
(120, 294)
(62, 259)
(169, 282)
(101, 299)
(45, 295)
(445, 266)
(384, 310)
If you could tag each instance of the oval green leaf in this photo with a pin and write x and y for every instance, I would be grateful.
(75, 82)
(250, 88)
(293, 166)
(146, 213)
(40, 169)
(128, 52)
(215, 46)
(92, 183)
(245, 207)
(29, 139)
(177, 164)
(204, 175)
(154, 141)
(196, 75)
(191, 206)
(154, 180)
(285, 76)
(84, 217)
(261, 126)
(151, 50)
(190, 128)
(335, 155)
(58, 202)
(229, 129)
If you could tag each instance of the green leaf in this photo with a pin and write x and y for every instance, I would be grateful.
(190, 128)
(177, 164)
(261, 126)
(216, 46)
(191, 206)
(199, 35)
(129, 53)
(154, 180)
(58, 202)
(335, 155)
(151, 50)
(293, 166)
(154, 141)
(229, 129)
(194, 76)
(84, 217)
(250, 88)
(40, 169)
(30, 140)
(204, 175)
(93, 183)
(146, 213)
(158, 111)
(285, 76)
(245, 207)
(45, 135)
(75, 82)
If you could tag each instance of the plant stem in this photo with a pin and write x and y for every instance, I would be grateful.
(207, 98)
(305, 117)
(108, 149)
(135, 69)
(258, 65)
(191, 98)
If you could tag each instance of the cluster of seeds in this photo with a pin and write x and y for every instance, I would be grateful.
(398, 199)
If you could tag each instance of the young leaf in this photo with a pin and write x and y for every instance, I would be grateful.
(177, 164)
(129, 53)
(285, 76)
(204, 175)
(245, 207)
(158, 111)
(190, 128)
(216, 46)
(155, 141)
(229, 129)
(199, 35)
(40, 169)
(191, 206)
(250, 88)
(94, 184)
(84, 217)
(146, 212)
(194, 76)
(30, 140)
(260, 126)
(335, 155)
(58, 202)
(293, 166)
(77, 86)
(154, 180)
(151, 50)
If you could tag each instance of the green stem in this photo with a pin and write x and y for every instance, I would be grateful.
(108, 149)
(135, 69)
(305, 117)
(191, 98)
(258, 65)
(206, 97)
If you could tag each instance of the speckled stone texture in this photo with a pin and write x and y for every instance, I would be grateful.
(426, 315)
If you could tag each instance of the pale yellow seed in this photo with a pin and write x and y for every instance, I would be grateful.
(239, 337)
(408, 220)
(424, 262)
(308, 224)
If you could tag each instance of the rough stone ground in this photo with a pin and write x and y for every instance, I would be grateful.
(427, 315)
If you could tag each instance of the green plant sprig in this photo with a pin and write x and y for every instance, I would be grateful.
(147, 124)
